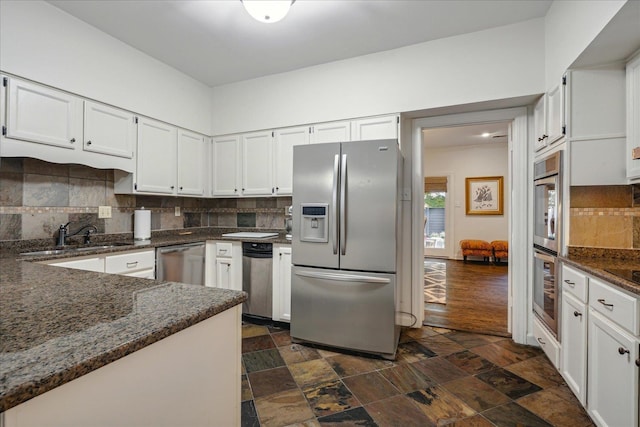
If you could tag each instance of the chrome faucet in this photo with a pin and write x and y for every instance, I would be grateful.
(63, 233)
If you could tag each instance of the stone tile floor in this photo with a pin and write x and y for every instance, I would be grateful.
(440, 377)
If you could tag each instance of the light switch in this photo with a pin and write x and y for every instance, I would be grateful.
(177, 211)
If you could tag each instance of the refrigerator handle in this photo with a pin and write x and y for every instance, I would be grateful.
(334, 206)
(343, 205)
(342, 277)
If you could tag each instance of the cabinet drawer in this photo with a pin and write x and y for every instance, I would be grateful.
(575, 283)
(547, 342)
(130, 261)
(223, 249)
(615, 305)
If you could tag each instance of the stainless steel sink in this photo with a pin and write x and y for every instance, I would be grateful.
(72, 250)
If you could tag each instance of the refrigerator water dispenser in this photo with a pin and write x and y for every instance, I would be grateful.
(314, 226)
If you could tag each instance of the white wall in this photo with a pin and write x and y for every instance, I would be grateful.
(465, 162)
(493, 64)
(570, 26)
(40, 42)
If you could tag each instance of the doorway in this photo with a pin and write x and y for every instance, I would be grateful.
(473, 295)
(437, 221)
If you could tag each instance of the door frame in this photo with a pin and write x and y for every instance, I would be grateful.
(519, 222)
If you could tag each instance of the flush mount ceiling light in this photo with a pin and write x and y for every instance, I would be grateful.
(267, 11)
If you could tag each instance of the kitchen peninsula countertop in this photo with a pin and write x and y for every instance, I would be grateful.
(58, 324)
(596, 261)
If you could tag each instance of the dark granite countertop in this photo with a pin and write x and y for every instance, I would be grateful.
(597, 261)
(57, 324)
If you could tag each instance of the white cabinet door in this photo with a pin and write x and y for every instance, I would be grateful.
(191, 166)
(156, 171)
(225, 161)
(224, 274)
(282, 284)
(573, 330)
(284, 141)
(633, 117)
(555, 114)
(257, 164)
(540, 124)
(42, 115)
(613, 375)
(331, 132)
(385, 127)
(108, 130)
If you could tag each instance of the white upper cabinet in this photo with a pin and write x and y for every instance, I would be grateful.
(549, 117)
(257, 163)
(331, 132)
(108, 130)
(156, 165)
(384, 127)
(284, 141)
(555, 113)
(58, 127)
(43, 115)
(540, 124)
(225, 153)
(633, 118)
(191, 163)
(596, 125)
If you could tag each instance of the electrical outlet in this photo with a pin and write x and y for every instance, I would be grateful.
(177, 210)
(104, 211)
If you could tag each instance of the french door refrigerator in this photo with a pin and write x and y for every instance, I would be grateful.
(345, 245)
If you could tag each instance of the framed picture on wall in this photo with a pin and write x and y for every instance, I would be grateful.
(484, 195)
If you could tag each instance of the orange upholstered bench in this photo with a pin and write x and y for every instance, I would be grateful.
(475, 248)
(500, 249)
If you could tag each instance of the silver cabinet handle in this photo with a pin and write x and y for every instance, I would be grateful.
(570, 283)
(541, 341)
(132, 264)
(603, 302)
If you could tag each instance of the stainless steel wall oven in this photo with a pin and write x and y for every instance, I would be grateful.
(547, 234)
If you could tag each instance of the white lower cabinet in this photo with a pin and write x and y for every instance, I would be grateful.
(613, 374)
(224, 265)
(573, 330)
(547, 342)
(601, 347)
(140, 263)
(282, 283)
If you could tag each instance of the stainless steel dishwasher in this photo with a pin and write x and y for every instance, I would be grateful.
(181, 263)
(257, 267)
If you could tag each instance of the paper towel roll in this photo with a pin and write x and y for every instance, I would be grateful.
(142, 224)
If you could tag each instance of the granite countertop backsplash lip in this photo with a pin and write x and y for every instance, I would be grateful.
(58, 324)
(596, 261)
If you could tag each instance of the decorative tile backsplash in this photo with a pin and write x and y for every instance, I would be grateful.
(36, 197)
(605, 216)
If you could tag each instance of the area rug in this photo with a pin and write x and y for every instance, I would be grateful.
(435, 281)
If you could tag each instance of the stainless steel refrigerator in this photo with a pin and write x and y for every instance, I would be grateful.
(346, 245)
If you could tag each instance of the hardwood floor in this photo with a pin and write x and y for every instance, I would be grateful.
(477, 299)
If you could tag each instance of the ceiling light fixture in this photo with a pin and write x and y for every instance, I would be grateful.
(485, 135)
(267, 11)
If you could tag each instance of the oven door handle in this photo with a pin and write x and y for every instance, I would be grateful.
(543, 257)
